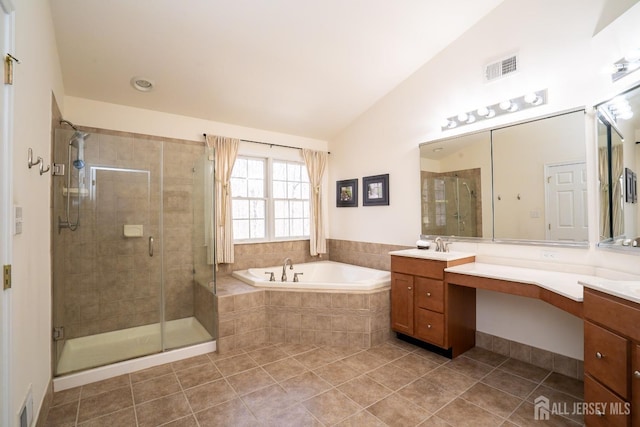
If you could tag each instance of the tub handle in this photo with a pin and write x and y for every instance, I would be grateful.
(150, 245)
(295, 276)
(272, 277)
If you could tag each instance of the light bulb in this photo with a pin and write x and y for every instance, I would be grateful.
(626, 115)
(533, 99)
(505, 105)
(471, 118)
(462, 117)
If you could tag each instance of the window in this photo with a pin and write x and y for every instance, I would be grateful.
(270, 199)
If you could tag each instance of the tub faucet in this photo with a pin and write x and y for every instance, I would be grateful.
(284, 268)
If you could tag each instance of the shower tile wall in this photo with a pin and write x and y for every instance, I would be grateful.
(103, 281)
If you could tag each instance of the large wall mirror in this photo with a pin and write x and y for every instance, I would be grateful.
(618, 136)
(524, 182)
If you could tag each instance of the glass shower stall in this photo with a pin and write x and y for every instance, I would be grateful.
(130, 237)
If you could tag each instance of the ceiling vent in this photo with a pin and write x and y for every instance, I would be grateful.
(501, 68)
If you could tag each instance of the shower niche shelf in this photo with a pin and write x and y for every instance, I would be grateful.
(74, 191)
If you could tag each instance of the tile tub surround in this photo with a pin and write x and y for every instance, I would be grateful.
(292, 384)
(364, 254)
(248, 315)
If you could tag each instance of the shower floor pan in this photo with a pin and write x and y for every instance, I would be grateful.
(110, 347)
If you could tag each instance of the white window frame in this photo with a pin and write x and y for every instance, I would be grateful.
(270, 210)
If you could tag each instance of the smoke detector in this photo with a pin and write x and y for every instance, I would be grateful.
(142, 84)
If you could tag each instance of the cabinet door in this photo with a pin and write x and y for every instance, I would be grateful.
(635, 388)
(402, 303)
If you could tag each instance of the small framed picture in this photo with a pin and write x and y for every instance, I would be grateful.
(628, 178)
(347, 193)
(375, 190)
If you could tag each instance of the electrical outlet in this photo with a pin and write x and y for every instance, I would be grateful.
(549, 255)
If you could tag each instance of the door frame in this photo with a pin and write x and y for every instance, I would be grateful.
(7, 15)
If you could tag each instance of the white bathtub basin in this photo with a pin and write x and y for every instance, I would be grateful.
(325, 275)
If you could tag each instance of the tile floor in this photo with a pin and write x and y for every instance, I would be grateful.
(395, 384)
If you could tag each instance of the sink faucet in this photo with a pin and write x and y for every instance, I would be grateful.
(441, 245)
(284, 268)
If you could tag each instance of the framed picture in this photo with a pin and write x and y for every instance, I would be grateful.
(375, 190)
(628, 181)
(347, 193)
(634, 192)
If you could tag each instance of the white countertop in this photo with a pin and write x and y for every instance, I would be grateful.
(565, 284)
(432, 254)
(627, 289)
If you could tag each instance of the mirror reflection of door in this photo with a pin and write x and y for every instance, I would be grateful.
(522, 177)
(566, 202)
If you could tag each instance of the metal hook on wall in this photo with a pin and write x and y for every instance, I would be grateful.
(39, 161)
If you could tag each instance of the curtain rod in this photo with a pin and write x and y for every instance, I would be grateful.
(269, 143)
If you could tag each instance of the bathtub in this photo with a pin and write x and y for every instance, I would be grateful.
(321, 275)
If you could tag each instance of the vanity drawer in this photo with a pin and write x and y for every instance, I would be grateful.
(418, 267)
(606, 358)
(430, 294)
(617, 314)
(430, 326)
(605, 402)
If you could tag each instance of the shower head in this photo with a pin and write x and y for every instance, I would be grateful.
(77, 141)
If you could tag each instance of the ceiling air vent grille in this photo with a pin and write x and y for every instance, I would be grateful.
(501, 68)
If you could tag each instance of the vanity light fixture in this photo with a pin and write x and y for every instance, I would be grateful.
(619, 108)
(625, 65)
(512, 105)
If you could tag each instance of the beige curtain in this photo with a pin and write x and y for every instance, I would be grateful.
(603, 175)
(617, 170)
(209, 212)
(316, 162)
(225, 152)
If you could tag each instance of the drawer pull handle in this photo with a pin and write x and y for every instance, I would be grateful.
(599, 413)
(636, 374)
(409, 288)
(428, 326)
(599, 355)
(428, 294)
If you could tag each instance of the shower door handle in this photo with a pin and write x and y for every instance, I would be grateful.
(150, 245)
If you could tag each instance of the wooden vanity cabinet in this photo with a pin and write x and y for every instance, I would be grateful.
(423, 307)
(611, 359)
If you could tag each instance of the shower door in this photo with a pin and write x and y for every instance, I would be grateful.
(107, 285)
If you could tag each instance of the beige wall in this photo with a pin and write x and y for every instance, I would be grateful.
(30, 298)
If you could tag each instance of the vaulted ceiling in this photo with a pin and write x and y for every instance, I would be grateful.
(302, 67)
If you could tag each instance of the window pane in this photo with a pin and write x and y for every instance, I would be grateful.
(305, 191)
(296, 227)
(279, 171)
(293, 172)
(279, 189)
(294, 190)
(238, 187)
(281, 209)
(257, 209)
(240, 209)
(239, 168)
(305, 209)
(257, 229)
(306, 227)
(256, 188)
(240, 229)
(256, 168)
(296, 209)
(282, 227)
